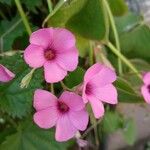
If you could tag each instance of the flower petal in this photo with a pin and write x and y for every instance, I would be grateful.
(79, 119)
(73, 100)
(63, 40)
(93, 70)
(146, 78)
(64, 129)
(103, 77)
(146, 94)
(68, 60)
(5, 74)
(53, 72)
(46, 118)
(42, 37)
(107, 94)
(43, 99)
(84, 96)
(97, 106)
(34, 56)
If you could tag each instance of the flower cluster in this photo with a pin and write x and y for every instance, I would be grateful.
(54, 49)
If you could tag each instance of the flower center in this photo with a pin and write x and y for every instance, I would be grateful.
(49, 54)
(62, 107)
(148, 87)
(88, 89)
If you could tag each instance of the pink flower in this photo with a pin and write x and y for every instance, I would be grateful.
(54, 49)
(66, 113)
(5, 74)
(145, 89)
(98, 88)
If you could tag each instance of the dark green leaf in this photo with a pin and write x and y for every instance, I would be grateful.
(74, 78)
(126, 93)
(9, 31)
(118, 7)
(16, 101)
(89, 21)
(30, 137)
(32, 4)
(83, 17)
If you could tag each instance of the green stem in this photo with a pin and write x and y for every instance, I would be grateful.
(23, 16)
(123, 58)
(91, 54)
(115, 33)
(90, 129)
(64, 86)
(49, 3)
(58, 6)
(52, 88)
(106, 21)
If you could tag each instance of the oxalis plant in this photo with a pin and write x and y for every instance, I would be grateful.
(64, 68)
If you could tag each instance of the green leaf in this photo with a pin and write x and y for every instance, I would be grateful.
(118, 7)
(9, 31)
(15, 101)
(111, 122)
(6, 1)
(126, 93)
(130, 132)
(83, 46)
(75, 77)
(134, 36)
(30, 137)
(124, 85)
(83, 17)
(60, 18)
(32, 4)
(141, 64)
(89, 21)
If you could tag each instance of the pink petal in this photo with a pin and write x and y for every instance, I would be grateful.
(68, 60)
(43, 99)
(42, 37)
(73, 100)
(146, 94)
(5, 74)
(53, 72)
(107, 94)
(97, 106)
(93, 70)
(103, 77)
(63, 40)
(146, 78)
(64, 129)
(79, 119)
(34, 56)
(46, 118)
(84, 96)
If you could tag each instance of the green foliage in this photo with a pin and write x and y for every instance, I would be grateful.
(126, 93)
(134, 36)
(129, 131)
(88, 22)
(6, 1)
(9, 31)
(30, 137)
(74, 78)
(15, 101)
(32, 4)
(118, 7)
(111, 122)
(82, 19)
